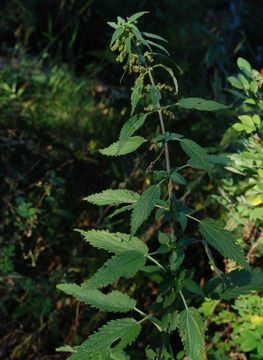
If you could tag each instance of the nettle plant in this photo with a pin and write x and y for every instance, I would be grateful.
(171, 310)
(242, 193)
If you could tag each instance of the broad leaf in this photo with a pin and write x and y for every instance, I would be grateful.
(144, 207)
(244, 66)
(129, 128)
(191, 329)
(100, 345)
(222, 240)
(177, 178)
(117, 149)
(113, 197)
(235, 283)
(201, 104)
(114, 242)
(256, 214)
(124, 264)
(235, 82)
(199, 158)
(115, 301)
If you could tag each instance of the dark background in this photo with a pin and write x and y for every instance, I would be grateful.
(60, 101)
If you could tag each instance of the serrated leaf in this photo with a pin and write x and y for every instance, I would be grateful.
(114, 242)
(113, 197)
(177, 178)
(235, 283)
(129, 128)
(155, 96)
(201, 104)
(99, 345)
(144, 207)
(222, 240)
(198, 156)
(117, 149)
(124, 264)
(115, 301)
(191, 329)
(136, 93)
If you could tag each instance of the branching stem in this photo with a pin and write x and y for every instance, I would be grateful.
(183, 298)
(155, 262)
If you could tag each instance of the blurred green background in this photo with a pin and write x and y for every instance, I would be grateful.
(60, 101)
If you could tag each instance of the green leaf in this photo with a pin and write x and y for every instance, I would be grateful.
(114, 242)
(129, 128)
(158, 46)
(201, 104)
(171, 73)
(137, 15)
(120, 211)
(222, 240)
(131, 144)
(198, 157)
(242, 127)
(124, 264)
(100, 344)
(235, 283)
(246, 120)
(235, 82)
(136, 93)
(144, 207)
(112, 24)
(177, 178)
(253, 86)
(155, 96)
(170, 321)
(191, 329)
(244, 66)
(243, 81)
(256, 214)
(256, 119)
(192, 286)
(154, 36)
(113, 197)
(250, 342)
(115, 301)
(117, 33)
(260, 349)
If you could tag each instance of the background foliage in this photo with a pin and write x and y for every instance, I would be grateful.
(60, 101)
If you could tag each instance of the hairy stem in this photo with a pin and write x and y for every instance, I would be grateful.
(167, 155)
(182, 296)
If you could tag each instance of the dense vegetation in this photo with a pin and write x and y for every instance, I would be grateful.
(61, 101)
